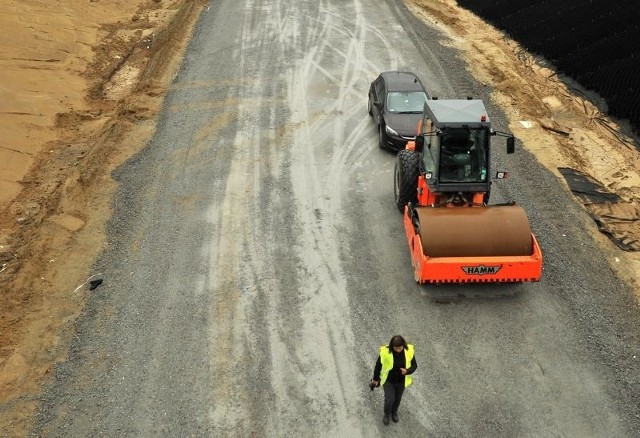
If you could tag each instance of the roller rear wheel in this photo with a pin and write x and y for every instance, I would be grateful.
(405, 181)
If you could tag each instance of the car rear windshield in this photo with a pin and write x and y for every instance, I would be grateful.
(406, 101)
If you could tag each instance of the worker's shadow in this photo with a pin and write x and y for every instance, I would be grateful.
(444, 293)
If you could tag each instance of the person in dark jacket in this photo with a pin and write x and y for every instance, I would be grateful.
(393, 370)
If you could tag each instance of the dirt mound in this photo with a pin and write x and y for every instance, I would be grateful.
(81, 84)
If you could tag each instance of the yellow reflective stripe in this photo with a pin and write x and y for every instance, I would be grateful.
(408, 355)
(386, 359)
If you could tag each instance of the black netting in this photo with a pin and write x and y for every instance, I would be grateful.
(597, 42)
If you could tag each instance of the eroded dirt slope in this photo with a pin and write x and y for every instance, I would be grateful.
(80, 85)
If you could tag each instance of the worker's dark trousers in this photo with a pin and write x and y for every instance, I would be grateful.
(392, 396)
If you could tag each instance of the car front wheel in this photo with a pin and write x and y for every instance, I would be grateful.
(381, 137)
(369, 107)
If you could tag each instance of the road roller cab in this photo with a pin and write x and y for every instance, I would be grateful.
(442, 185)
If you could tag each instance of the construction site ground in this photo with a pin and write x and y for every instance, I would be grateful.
(81, 85)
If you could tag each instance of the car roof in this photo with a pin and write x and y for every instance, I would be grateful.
(402, 81)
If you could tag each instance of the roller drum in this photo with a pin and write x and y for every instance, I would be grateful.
(474, 231)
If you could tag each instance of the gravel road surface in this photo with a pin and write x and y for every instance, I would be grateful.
(256, 261)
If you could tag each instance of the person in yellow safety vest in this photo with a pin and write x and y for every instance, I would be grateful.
(391, 371)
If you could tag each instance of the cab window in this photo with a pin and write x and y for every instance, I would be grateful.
(430, 152)
(464, 155)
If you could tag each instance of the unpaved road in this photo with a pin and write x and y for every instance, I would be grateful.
(256, 261)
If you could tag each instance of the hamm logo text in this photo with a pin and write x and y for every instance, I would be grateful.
(481, 270)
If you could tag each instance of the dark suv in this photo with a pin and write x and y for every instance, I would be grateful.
(396, 101)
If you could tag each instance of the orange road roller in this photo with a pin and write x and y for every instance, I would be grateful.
(442, 184)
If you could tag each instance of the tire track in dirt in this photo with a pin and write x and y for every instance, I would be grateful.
(319, 178)
(236, 277)
(229, 276)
